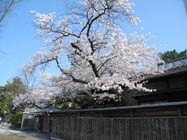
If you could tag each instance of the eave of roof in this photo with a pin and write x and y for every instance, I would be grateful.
(159, 92)
(179, 70)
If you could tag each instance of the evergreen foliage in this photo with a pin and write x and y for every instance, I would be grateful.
(170, 55)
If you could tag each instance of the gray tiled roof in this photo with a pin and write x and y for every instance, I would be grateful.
(171, 67)
(168, 72)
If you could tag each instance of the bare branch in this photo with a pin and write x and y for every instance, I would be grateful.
(5, 8)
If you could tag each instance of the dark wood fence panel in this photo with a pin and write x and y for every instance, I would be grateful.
(119, 129)
(91, 128)
(170, 124)
(46, 123)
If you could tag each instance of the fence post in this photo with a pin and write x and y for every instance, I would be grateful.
(180, 125)
(100, 114)
(132, 126)
(179, 112)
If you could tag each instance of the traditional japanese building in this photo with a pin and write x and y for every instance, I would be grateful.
(170, 86)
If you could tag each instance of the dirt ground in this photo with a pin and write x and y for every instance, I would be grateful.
(14, 137)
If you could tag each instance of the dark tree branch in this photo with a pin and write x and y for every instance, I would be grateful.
(5, 8)
(68, 74)
(90, 61)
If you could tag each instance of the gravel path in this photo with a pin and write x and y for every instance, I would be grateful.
(6, 130)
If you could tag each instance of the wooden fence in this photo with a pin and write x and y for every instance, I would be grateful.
(147, 122)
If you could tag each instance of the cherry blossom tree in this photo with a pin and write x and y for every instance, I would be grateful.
(92, 52)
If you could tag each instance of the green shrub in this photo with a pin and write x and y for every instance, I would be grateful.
(84, 101)
(16, 119)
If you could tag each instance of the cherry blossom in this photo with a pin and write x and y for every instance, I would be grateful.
(92, 52)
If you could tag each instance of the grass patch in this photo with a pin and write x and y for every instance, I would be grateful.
(14, 137)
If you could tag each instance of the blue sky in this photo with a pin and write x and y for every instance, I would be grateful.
(166, 19)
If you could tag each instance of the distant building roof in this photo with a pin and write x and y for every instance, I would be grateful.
(171, 64)
(171, 67)
(178, 70)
